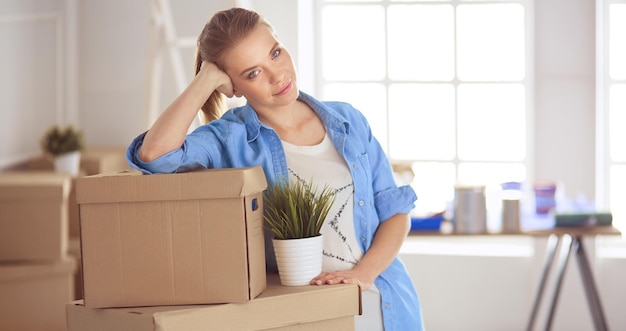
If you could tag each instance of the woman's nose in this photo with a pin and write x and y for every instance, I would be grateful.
(276, 76)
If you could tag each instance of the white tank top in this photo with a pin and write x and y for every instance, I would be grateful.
(325, 166)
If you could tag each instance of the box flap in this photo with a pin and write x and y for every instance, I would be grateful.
(128, 186)
(34, 185)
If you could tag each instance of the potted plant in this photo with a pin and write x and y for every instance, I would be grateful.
(294, 214)
(64, 145)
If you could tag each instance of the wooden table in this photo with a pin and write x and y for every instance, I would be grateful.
(571, 243)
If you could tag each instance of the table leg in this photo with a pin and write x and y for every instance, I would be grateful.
(566, 248)
(550, 250)
(593, 297)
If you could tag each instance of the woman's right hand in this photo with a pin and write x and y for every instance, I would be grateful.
(222, 80)
(169, 130)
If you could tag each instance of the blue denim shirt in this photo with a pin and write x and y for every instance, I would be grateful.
(239, 139)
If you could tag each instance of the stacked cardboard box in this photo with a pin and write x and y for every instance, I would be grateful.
(36, 273)
(33, 295)
(74, 252)
(304, 308)
(94, 160)
(187, 251)
(171, 239)
(34, 218)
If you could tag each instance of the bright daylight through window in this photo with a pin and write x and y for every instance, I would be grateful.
(443, 84)
(615, 83)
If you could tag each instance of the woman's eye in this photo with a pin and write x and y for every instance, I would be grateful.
(275, 53)
(253, 74)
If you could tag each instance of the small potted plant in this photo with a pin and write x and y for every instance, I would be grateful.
(64, 145)
(294, 214)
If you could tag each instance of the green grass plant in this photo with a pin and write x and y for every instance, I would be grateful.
(296, 210)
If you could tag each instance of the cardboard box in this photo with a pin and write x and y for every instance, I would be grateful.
(99, 160)
(172, 239)
(74, 252)
(34, 296)
(277, 308)
(93, 160)
(33, 215)
(72, 211)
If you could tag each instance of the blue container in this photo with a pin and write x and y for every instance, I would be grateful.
(432, 223)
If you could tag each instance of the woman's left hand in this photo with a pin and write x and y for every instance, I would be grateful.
(344, 277)
(385, 246)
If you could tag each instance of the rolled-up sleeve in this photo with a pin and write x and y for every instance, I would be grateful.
(168, 163)
(398, 200)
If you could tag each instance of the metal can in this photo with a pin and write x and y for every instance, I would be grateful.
(470, 210)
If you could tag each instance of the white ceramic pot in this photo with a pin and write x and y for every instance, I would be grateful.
(298, 260)
(68, 163)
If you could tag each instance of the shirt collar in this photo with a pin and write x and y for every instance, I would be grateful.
(329, 116)
(331, 119)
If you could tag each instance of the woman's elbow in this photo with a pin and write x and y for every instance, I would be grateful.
(146, 154)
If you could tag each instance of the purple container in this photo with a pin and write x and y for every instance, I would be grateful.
(545, 200)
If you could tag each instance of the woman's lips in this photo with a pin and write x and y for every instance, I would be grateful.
(285, 89)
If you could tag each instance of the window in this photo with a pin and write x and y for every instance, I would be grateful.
(443, 84)
(612, 110)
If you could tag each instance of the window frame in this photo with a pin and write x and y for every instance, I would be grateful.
(604, 82)
(527, 82)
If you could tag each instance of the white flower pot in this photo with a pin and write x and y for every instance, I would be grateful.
(298, 260)
(68, 163)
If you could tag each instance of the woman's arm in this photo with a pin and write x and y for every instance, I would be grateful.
(385, 247)
(169, 130)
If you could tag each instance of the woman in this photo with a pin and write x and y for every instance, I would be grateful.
(292, 135)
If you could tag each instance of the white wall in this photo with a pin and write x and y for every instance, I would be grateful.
(112, 69)
(565, 94)
(33, 74)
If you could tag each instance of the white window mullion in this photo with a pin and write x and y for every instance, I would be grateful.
(419, 112)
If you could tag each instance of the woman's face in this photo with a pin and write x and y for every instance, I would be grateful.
(262, 70)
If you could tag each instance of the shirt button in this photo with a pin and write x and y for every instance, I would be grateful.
(363, 239)
(361, 203)
(355, 166)
(387, 305)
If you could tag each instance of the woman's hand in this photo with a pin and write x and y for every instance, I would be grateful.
(385, 247)
(354, 276)
(222, 80)
(169, 131)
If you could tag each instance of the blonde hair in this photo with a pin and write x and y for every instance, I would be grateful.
(224, 30)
